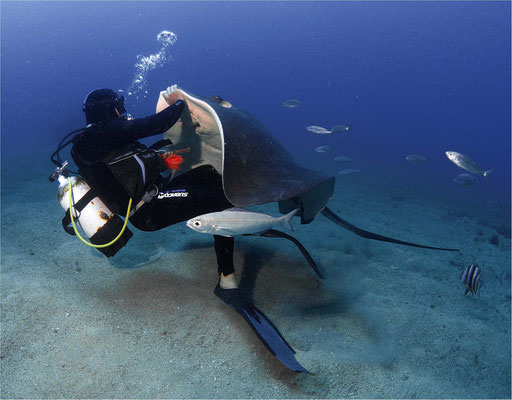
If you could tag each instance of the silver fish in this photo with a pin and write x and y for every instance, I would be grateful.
(470, 277)
(238, 221)
(349, 171)
(416, 158)
(464, 162)
(342, 159)
(318, 129)
(292, 103)
(341, 128)
(464, 179)
(323, 149)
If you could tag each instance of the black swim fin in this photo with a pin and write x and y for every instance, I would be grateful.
(375, 236)
(262, 326)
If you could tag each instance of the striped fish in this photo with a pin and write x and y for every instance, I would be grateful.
(470, 277)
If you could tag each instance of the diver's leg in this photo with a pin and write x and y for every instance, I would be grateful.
(224, 248)
(227, 290)
(229, 293)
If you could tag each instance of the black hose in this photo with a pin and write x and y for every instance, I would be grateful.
(58, 160)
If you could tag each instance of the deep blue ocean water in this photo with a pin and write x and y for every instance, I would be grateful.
(413, 77)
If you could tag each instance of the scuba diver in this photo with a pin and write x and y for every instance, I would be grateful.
(112, 161)
(117, 171)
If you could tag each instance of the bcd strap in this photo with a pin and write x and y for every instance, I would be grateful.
(160, 143)
(79, 206)
(135, 167)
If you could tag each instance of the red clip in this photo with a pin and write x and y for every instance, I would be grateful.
(173, 161)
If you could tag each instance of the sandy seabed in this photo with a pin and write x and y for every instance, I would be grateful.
(388, 321)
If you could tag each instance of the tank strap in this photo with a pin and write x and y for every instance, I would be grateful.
(79, 206)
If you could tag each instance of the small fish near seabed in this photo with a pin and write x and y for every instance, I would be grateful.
(342, 159)
(464, 162)
(323, 149)
(318, 129)
(416, 158)
(471, 278)
(292, 103)
(464, 180)
(238, 221)
(349, 171)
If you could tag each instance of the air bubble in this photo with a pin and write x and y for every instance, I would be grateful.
(146, 63)
(167, 37)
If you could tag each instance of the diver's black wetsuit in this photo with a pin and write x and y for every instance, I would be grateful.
(193, 193)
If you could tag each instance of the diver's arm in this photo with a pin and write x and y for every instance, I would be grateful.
(125, 131)
(157, 123)
(102, 138)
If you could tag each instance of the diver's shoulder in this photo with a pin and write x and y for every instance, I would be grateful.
(113, 125)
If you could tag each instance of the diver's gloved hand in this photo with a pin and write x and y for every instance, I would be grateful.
(172, 96)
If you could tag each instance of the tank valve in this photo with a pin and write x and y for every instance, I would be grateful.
(58, 172)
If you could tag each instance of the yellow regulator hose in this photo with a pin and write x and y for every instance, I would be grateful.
(76, 230)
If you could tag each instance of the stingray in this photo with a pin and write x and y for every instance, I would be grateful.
(255, 168)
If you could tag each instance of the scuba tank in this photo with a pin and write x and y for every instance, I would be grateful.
(105, 230)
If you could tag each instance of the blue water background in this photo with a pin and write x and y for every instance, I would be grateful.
(413, 77)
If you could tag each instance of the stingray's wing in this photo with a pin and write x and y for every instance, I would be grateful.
(255, 167)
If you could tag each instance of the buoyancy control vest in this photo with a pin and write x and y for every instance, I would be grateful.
(135, 167)
(123, 173)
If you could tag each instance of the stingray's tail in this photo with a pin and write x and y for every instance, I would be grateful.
(307, 256)
(370, 235)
